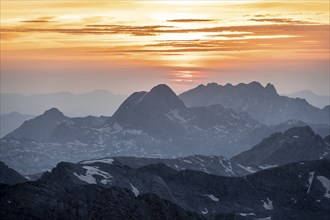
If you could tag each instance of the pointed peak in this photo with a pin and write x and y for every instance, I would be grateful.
(270, 88)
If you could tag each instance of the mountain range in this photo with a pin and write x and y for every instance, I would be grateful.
(319, 101)
(9, 122)
(262, 103)
(156, 158)
(150, 124)
(97, 103)
(104, 188)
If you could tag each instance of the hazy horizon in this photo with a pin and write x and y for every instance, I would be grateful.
(147, 89)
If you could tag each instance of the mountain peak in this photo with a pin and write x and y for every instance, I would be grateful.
(255, 84)
(161, 88)
(53, 112)
(305, 131)
(163, 96)
(271, 88)
(146, 107)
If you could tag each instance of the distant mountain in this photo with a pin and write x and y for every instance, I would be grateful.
(216, 165)
(41, 127)
(319, 101)
(97, 102)
(149, 124)
(9, 176)
(262, 103)
(11, 121)
(46, 126)
(90, 188)
(296, 144)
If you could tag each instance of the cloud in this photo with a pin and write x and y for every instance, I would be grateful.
(40, 20)
(190, 20)
(282, 20)
(269, 29)
(35, 21)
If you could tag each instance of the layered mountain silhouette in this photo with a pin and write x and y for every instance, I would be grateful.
(98, 102)
(9, 176)
(319, 101)
(262, 103)
(105, 187)
(149, 124)
(11, 121)
(296, 144)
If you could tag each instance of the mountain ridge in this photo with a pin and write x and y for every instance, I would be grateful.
(262, 103)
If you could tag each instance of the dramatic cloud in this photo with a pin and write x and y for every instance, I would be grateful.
(184, 41)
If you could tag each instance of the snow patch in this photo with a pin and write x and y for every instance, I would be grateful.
(324, 154)
(107, 160)
(249, 169)
(267, 166)
(326, 184)
(228, 168)
(268, 204)
(295, 136)
(310, 181)
(135, 190)
(246, 214)
(187, 161)
(89, 175)
(205, 211)
(212, 197)
(174, 115)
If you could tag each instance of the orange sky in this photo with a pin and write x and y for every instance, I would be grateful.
(77, 46)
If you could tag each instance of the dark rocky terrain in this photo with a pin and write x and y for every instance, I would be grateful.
(89, 190)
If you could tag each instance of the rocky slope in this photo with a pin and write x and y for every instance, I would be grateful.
(296, 144)
(299, 190)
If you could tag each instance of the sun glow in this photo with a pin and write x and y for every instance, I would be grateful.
(165, 34)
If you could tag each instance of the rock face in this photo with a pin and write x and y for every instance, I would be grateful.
(262, 103)
(40, 200)
(296, 144)
(89, 190)
(9, 176)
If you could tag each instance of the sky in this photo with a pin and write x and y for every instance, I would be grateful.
(127, 46)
